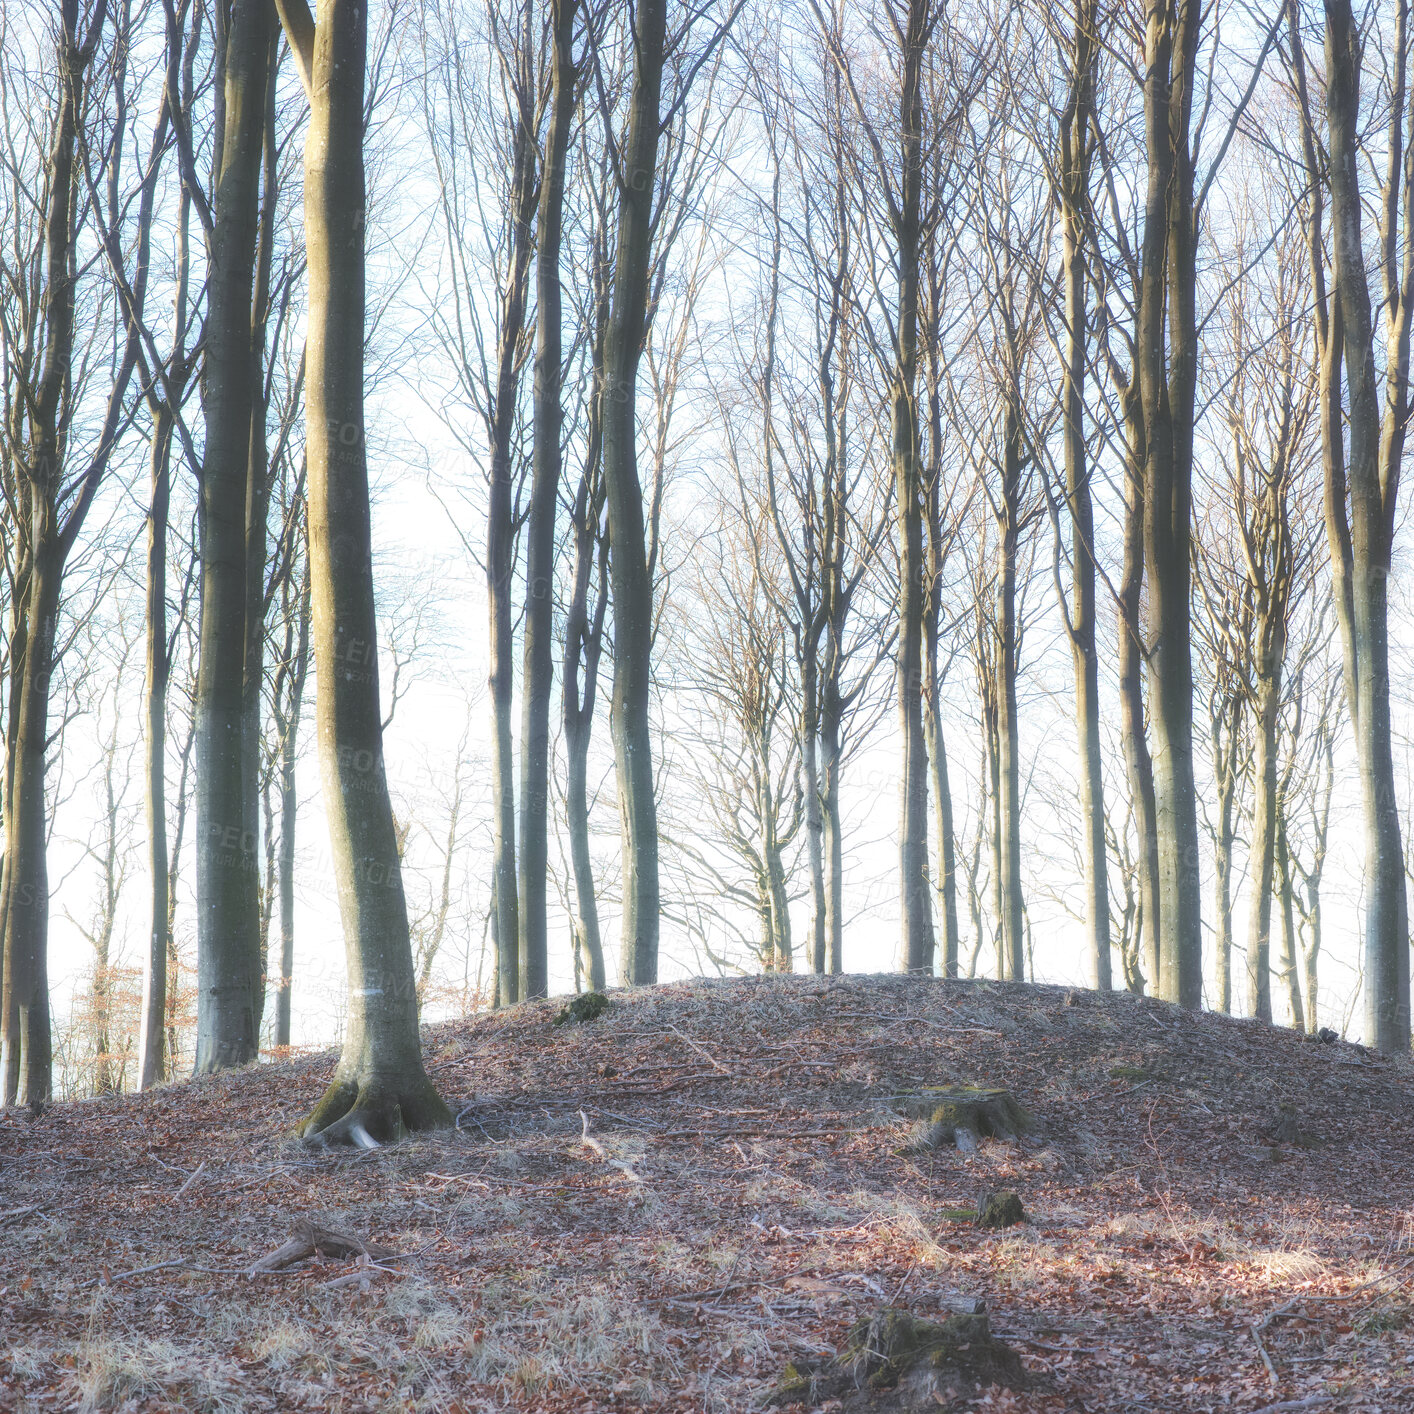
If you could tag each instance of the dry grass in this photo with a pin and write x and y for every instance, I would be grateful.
(740, 1200)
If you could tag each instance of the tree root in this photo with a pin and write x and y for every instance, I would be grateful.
(373, 1112)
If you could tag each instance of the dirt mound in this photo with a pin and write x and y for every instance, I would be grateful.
(667, 1207)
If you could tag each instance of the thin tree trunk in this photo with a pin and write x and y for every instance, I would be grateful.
(379, 1087)
(917, 940)
(1008, 728)
(289, 819)
(538, 671)
(1264, 842)
(501, 531)
(1225, 728)
(584, 638)
(1287, 965)
(1075, 202)
(151, 1050)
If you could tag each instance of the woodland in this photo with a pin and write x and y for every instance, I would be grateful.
(926, 476)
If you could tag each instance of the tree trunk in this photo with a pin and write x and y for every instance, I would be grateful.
(1008, 728)
(152, 1056)
(814, 813)
(1290, 975)
(228, 925)
(501, 532)
(1167, 367)
(1075, 202)
(380, 1089)
(1376, 456)
(830, 714)
(942, 808)
(584, 639)
(1225, 729)
(538, 671)
(289, 820)
(28, 1051)
(632, 578)
(1263, 853)
(917, 940)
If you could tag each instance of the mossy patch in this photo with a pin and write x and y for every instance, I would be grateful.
(588, 1006)
(895, 1361)
(961, 1116)
(1001, 1210)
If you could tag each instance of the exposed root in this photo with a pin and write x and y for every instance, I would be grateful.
(370, 1113)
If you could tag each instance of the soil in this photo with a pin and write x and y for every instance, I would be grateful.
(664, 1207)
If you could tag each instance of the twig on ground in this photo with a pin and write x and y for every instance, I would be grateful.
(136, 1272)
(702, 1051)
(1262, 1351)
(195, 1174)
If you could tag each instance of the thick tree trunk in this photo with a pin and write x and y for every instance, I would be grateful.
(538, 671)
(1376, 455)
(228, 925)
(1167, 366)
(380, 1089)
(28, 1050)
(632, 578)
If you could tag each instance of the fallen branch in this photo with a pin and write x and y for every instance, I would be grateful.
(308, 1239)
(107, 1280)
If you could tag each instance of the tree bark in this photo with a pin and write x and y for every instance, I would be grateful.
(538, 671)
(917, 939)
(1012, 906)
(152, 1058)
(1375, 461)
(632, 578)
(1167, 367)
(289, 819)
(1263, 852)
(228, 925)
(1075, 202)
(379, 1088)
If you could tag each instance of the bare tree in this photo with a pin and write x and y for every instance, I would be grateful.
(380, 1089)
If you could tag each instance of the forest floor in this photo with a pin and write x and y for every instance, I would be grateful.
(1221, 1214)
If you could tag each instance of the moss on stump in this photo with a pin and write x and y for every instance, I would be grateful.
(1001, 1210)
(961, 1116)
(588, 1006)
(896, 1362)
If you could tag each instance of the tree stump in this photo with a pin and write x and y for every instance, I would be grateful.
(961, 1116)
(894, 1361)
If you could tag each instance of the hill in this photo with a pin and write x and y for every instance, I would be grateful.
(663, 1207)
